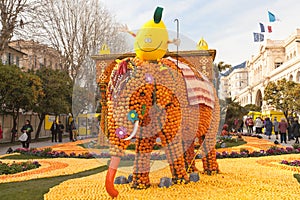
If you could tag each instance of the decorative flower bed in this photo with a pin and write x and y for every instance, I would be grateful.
(269, 152)
(53, 167)
(228, 141)
(295, 163)
(49, 153)
(16, 167)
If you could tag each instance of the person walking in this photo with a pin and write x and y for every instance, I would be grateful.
(74, 131)
(241, 127)
(69, 126)
(61, 130)
(54, 131)
(290, 135)
(296, 130)
(27, 128)
(250, 125)
(283, 125)
(276, 129)
(268, 127)
(258, 125)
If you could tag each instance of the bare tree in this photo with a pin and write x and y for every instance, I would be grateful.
(77, 29)
(14, 15)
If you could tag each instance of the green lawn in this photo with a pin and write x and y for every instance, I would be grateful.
(35, 189)
(297, 176)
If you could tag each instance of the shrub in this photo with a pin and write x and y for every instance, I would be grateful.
(12, 168)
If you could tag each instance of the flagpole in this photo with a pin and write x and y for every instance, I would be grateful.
(177, 23)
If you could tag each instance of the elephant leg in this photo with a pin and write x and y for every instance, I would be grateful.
(210, 164)
(189, 157)
(203, 126)
(189, 128)
(209, 161)
(141, 168)
(175, 158)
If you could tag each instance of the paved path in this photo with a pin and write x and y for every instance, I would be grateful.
(273, 138)
(4, 147)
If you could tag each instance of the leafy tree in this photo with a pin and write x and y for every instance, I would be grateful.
(283, 95)
(18, 90)
(222, 66)
(296, 94)
(234, 111)
(57, 88)
(252, 107)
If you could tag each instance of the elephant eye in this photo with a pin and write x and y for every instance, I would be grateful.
(142, 94)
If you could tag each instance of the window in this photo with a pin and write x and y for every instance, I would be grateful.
(10, 58)
(298, 77)
(277, 64)
(17, 61)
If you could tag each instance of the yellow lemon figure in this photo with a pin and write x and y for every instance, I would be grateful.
(151, 41)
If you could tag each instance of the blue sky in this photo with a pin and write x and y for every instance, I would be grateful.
(227, 25)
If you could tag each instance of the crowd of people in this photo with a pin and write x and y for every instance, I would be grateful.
(282, 129)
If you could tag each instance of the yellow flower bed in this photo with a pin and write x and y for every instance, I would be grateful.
(51, 168)
(253, 144)
(240, 178)
(70, 147)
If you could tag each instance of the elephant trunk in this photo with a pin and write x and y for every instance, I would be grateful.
(110, 176)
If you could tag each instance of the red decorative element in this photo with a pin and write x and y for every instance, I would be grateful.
(122, 67)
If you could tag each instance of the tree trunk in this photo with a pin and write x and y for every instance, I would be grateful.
(286, 116)
(14, 128)
(37, 133)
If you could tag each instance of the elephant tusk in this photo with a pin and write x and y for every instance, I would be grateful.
(135, 128)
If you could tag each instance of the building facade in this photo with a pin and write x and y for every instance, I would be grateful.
(37, 55)
(276, 59)
(12, 56)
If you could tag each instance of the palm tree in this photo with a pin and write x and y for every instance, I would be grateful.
(222, 66)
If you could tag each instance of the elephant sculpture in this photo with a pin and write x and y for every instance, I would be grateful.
(151, 97)
(149, 100)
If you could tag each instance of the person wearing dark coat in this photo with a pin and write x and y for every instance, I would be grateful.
(54, 131)
(290, 129)
(61, 130)
(296, 130)
(27, 128)
(268, 126)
